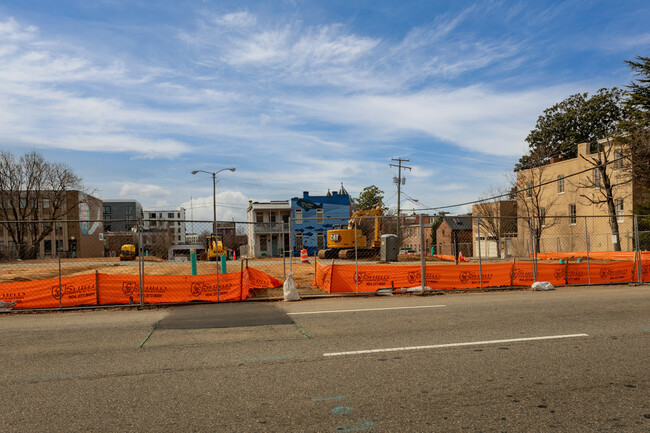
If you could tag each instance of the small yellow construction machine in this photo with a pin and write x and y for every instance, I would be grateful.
(127, 252)
(213, 247)
(341, 241)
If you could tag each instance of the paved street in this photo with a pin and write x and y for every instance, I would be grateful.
(574, 359)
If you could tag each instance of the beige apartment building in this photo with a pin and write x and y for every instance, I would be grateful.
(570, 213)
(79, 233)
(494, 228)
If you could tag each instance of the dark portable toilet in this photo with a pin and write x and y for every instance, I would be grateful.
(389, 248)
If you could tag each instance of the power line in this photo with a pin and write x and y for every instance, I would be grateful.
(515, 192)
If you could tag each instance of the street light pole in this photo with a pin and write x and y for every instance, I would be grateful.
(214, 194)
(214, 203)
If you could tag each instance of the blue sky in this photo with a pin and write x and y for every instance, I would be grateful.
(298, 95)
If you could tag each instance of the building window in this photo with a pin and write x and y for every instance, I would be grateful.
(298, 216)
(47, 246)
(618, 159)
(560, 184)
(179, 230)
(178, 215)
(259, 217)
(46, 204)
(298, 241)
(319, 216)
(152, 215)
(529, 189)
(597, 177)
(107, 209)
(129, 210)
(320, 240)
(542, 216)
(619, 209)
(572, 213)
(170, 215)
(23, 203)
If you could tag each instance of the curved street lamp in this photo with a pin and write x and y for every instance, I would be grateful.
(214, 193)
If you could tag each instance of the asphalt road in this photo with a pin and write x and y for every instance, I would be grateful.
(571, 360)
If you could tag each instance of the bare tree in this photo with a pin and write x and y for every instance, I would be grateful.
(33, 190)
(605, 186)
(533, 200)
(491, 221)
(158, 241)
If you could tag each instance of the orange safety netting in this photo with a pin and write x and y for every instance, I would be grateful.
(342, 278)
(449, 258)
(107, 289)
(601, 255)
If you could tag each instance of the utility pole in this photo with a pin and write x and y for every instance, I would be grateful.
(400, 181)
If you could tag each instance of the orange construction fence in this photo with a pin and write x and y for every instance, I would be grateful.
(108, 289)
(342, 278)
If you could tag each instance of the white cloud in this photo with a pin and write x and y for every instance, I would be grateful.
(475, 118)
(129, 189)
(11, 31)
(231, 205)
(236, 19)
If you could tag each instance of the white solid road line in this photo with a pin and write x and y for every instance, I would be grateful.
(363, 309)
(471, 343)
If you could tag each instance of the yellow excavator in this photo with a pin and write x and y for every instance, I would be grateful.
(341, 241)
(213, 247)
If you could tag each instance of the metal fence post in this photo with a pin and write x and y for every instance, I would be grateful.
(423, 266)
(356, 257)
(480, 264)
(637, 252)
(141, 261)
(587, 244)
(533, 246)
(60, 288)
(290, 245)
(284, 255)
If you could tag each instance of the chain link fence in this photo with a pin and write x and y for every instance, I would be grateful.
(75, 263)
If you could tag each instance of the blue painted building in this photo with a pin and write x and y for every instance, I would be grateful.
(313, 216)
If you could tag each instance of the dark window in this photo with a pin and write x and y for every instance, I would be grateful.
(572, 213)
(170, 215)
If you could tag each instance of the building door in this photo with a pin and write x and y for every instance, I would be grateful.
(263, 245)
(274, 246)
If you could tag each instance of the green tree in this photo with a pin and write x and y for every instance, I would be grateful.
(434, 228)
(578, 119)
(370, 197)
(637, 127)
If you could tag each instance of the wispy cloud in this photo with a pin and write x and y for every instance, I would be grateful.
(130, 189)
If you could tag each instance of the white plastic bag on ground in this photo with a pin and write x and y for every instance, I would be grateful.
(542, 285)
(290, 290)
(7, 306)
